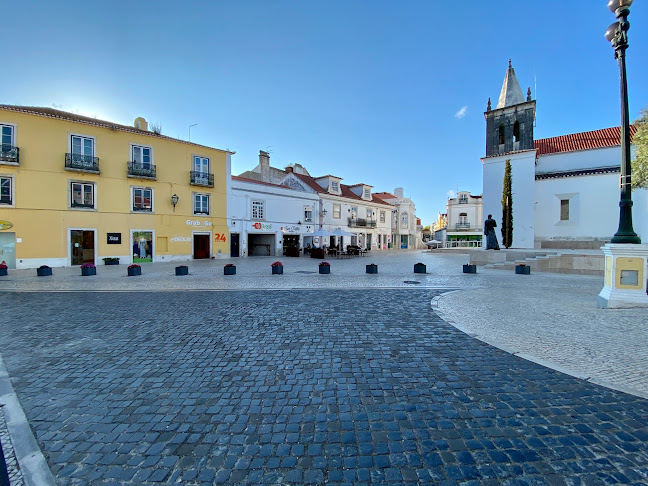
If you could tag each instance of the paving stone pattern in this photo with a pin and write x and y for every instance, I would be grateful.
(301, 387)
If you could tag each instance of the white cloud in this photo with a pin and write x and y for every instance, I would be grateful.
(452, 194)
(461, 113)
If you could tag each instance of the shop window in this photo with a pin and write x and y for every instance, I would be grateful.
(308, 214)
(82, 195)
(336, 211)
(201, 203)
(6, 190)
(143, 199)
(258, 209)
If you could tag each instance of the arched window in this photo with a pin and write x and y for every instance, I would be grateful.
(516, 131)
(501, 134)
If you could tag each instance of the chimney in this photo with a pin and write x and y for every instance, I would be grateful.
(140, 123)
(289, 169)
(264, 165)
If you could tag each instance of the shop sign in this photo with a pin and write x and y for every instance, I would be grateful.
(180, 238)
(291, 229)
(263, 226)
(197, 222)
(114, 239)
(5, 225)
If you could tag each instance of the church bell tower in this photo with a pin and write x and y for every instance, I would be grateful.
(509, 127)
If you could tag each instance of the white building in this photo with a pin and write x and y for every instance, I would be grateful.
(565, 189)
(405, 233)
(266, 219)
(465, 220)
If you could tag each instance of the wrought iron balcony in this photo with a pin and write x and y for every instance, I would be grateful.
(9, 153)
(362, 223)
(201, 179)
(462, 226)
(144, 171)
(85, 163)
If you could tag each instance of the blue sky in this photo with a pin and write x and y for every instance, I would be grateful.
(388, 93)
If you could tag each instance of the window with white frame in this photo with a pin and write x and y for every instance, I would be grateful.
(382, 216)
(201, 203)
(143, 199)
(404, 220)
(308, 214)
(335, 187)
(142, 155)
(201, 164)
(6, 190)
(367, 193)
(463, 199)
(6, 137)
(258, 209)
(337, 211)
(564, 210)
(82, 146)
(354, 211)
(82, 195)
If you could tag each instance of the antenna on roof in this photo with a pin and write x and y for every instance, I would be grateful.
(268, 149)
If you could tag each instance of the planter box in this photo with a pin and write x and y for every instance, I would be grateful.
(470, 269)
(182, 270)
(134, 272)
(325, 269)
(277, 270)
(372, 268)
(4, 272)
(111, 263)
(419, 268)
(87, 272)
(43, 272)
(229, 270)
(522, 270)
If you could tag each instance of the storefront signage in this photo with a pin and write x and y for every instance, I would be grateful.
(220, 237)
(197, 222)
(114, 239)
(5, 225)
(264, 226)
(180, 238)
(291, 229)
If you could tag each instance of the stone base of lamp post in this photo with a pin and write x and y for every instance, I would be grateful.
(626, 274)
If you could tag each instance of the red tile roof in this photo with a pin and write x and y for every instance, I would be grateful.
(254, 181)
(607, 137)
(346, 191)
(64, 115)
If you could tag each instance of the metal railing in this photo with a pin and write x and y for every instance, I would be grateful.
(138, 169)
(201, 179)
(9, 153)
(86, 163)
(362, 223)
(462, 225)
(463, 244)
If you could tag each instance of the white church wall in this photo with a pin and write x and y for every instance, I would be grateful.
(583, 159)
(523, 175)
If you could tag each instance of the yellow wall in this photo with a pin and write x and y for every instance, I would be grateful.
(42, 216)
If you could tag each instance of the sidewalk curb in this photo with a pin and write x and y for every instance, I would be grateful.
(542, 362)
(33, 466)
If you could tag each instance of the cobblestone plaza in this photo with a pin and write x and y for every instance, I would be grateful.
(307, 381)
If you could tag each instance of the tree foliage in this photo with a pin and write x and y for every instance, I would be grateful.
(640, 162)
(507, 207)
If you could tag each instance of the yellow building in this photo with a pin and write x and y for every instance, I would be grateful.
(75, 190)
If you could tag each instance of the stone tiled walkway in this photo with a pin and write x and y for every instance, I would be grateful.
(364, 386)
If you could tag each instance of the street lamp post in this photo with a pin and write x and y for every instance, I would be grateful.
(617, 34)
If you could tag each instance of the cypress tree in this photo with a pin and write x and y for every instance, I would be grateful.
(507, 207)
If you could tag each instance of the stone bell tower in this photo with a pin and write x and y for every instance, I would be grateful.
(509, 127)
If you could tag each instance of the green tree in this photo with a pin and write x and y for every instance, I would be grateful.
(507, 207)
(640, 162)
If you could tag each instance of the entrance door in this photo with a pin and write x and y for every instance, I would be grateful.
(8, 249)
(83, 250)
(234, 245)
(201, 246)
(368, 241)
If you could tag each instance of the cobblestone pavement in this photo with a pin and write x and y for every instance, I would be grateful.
(301, 387)
(14, 473)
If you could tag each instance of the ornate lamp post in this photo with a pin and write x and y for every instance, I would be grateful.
(617, 34)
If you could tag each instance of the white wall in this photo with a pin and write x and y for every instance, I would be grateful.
(583, 159)
(523, 174)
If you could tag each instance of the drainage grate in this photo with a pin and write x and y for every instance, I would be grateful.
(304, 271)
(413, 282)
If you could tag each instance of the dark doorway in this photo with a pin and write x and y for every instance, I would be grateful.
(234, 245)
(83, 250)
(201, 246)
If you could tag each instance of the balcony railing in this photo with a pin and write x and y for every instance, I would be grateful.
(463, 201)
(86, 163)
(362, 223)
(201, 179)
(9, 153)
(462, 226)
(145, 171)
